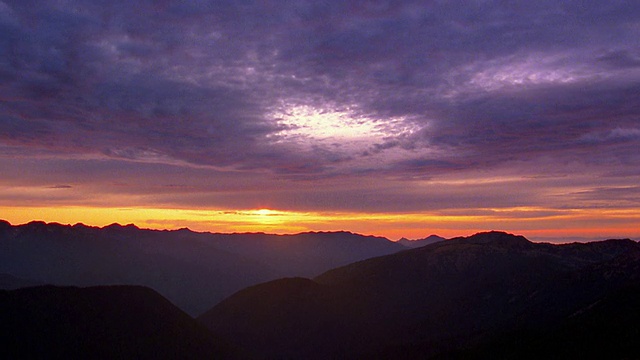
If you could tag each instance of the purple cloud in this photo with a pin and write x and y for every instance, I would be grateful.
(210, 90)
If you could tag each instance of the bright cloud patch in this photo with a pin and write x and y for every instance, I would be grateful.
(533, 70)
(339, 131)
(310, 122)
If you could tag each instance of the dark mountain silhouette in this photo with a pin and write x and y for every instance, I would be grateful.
(115, 322)
(420, 242)
(607, 329)
(193, 270)
(470, 294)
(10, 282)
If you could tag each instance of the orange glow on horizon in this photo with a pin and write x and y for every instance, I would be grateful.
(564, 224)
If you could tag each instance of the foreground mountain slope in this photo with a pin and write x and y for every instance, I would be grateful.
(124, 322)
(607, 329)
(429, 301)
(193, 270)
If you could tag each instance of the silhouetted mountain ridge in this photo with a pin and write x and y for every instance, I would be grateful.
(497, 238)
(429, 301)
(108, 322)
(193, 270)
(10, 282)
(420, 242)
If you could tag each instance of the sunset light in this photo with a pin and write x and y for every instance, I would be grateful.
(300, 179)
(305, 121)
(399, 120)
(538, 224)
(265, 212)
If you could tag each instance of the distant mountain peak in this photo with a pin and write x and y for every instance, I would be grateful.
(330, 233)
(119, 226)
(496, 235)
(499, 238)
(420, 242)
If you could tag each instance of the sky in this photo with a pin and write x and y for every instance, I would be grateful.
(398, 119)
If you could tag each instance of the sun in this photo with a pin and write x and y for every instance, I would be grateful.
(264, 212)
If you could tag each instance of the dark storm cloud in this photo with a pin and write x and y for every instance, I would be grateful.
(480, 83)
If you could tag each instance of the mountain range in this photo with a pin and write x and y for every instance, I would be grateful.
(456, 298)
(193, 270)
(486, 296)
(420, 242)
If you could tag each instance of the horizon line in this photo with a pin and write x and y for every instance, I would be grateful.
(128, 225)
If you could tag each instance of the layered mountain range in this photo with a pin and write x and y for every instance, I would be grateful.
(490, 295)
(448, 299)
(193, 270)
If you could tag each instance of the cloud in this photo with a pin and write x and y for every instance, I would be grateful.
(148, 94)
(621, 59)
(60, 187)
